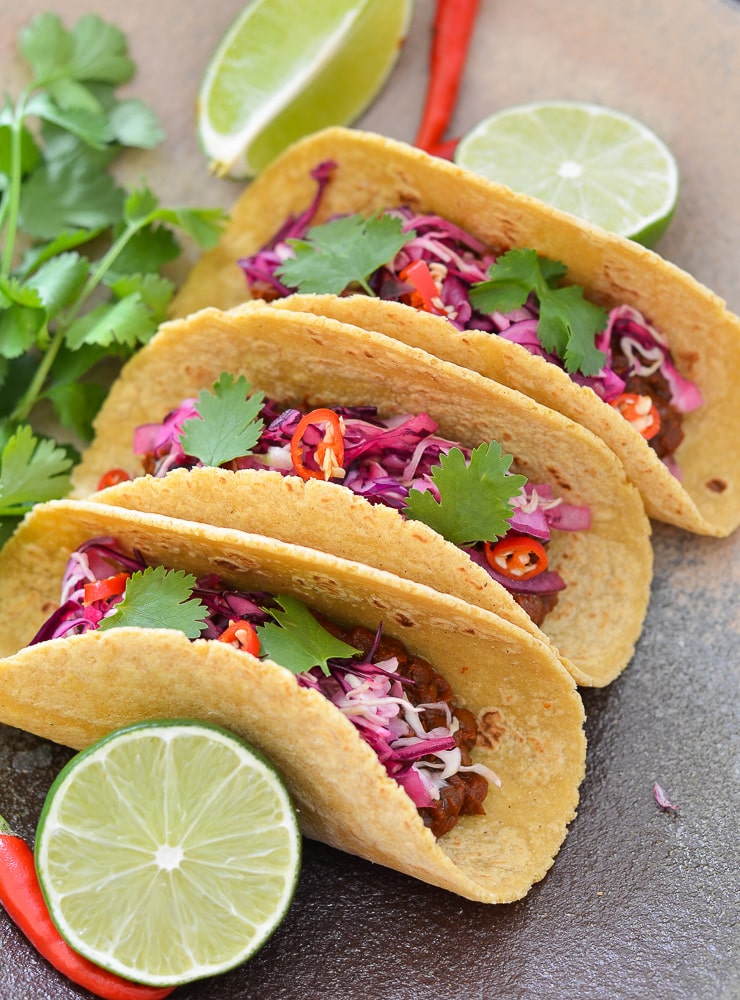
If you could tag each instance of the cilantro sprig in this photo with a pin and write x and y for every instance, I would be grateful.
(567, 324)
(228, 424)
(297, 641)
(343, 252)
(81, 257)
(156, 597)
(474, 497)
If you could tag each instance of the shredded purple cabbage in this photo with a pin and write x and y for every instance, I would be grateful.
(372, 695)
(383, 460)
(457, 261)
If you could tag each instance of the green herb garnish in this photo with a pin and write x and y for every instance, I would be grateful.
(343, 252)
(298, 642)
(568, 323)
(31, 470)
(159, 598)
(474, 498)
(228, 425)
(87, 282)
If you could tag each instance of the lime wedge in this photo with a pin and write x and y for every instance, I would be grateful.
(168, 851)
(287, 68)
(591, 161)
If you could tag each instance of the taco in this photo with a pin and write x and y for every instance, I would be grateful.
(393, 706)
(481, 263)
(302, 362)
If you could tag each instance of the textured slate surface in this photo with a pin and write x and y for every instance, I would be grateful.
(640, 902)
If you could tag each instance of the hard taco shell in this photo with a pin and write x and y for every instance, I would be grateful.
(310, 360)
(374, 173)
(76, 689)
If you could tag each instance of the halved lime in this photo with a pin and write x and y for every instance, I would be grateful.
(168, 851)
(586, 159)
(287, 68)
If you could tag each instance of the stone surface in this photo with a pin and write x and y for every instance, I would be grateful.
(640, 902)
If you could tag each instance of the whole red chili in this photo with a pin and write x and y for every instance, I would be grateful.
(454, 21)
(21, 896)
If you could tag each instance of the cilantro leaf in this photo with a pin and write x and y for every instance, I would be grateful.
(134, 124)
(298, 642)
(31, 470)
(228, 426)
(59, 280)
(343, 252)
(92, 50)
(75, 404)
(474, 498)
(128, 322)
(159, 598)
(90, 126)
(568, 323)
(73, 195)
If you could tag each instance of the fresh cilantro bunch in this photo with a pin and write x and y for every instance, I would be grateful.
(568, 323)
(474, 497)
(80, 258)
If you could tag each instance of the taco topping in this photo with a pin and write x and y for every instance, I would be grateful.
(469, 497)
(397, 702)
(516, 295)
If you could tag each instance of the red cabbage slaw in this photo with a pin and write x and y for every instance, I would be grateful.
(457, 261)
(383, 460)
(370, 693)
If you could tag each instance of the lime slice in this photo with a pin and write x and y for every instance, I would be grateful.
(287, 68)
(168, 851)
(591, 161)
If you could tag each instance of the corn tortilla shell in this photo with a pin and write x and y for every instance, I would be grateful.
(310, 360)
(75, 690)
(375, 173)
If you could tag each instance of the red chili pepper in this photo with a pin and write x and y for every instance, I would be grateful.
(640, 411)
(452, 30)
(20, 894)
(101, 590)
(113, 477)
(329, 452)
(426, 290)
(518, 558)
(242, 633)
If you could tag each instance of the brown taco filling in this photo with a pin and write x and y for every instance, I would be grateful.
(401, 707)
(429, 263)
(500, 520)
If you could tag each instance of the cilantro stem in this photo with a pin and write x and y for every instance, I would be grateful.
(30, 396)
(35, 386)
(104, 265)
(11, 204)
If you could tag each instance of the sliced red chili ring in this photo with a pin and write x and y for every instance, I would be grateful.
(329, 452)
(101, 590)
(640, 411)
(518, 558)
(113, 477)
(243, 633)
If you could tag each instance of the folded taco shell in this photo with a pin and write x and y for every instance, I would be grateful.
(313, 361)
(74, 690)
(374, 173)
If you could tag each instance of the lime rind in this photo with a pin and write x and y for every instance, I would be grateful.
(170, 817)
(599, 164)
